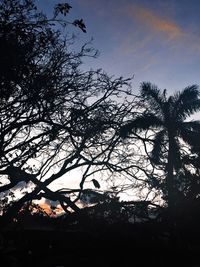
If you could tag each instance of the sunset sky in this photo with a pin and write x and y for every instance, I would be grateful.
(154, 40)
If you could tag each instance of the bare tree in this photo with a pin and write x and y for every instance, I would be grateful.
(54, 118)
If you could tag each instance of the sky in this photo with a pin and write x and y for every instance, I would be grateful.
(154, 40)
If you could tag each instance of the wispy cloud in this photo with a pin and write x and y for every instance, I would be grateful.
(155, 22)
(152, 36)
(170, 31)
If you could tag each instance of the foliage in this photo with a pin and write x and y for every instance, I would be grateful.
(57, 120)
(173, 138)
(54, 118)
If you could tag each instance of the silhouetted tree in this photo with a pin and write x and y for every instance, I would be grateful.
(54, 118)
(166, 118)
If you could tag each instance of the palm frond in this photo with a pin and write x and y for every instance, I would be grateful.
(141, 123)
(153, 96)
(186, 102)
(156, 153)
(193, 159)
(190, 133)
(191, 125)
(176, 154)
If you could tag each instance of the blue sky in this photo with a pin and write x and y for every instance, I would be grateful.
(154, 40)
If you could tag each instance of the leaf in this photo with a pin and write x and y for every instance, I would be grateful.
(140, 123)
(80, 24)
(156, 153)
(96, 183)
(152, 95)
(62, 8)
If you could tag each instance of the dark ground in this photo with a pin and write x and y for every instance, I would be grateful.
(114, 245)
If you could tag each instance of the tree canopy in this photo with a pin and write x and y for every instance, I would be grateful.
(54, 117)
(61, 122)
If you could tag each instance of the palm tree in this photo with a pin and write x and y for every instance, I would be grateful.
(167, 116)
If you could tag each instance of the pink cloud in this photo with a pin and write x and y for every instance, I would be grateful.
(155, 23)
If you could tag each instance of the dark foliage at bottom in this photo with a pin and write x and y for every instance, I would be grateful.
(118, 244)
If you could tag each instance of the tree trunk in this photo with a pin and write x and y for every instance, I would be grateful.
(171, 194)
(170, 177)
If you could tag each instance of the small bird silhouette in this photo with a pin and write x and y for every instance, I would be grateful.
(96, 183)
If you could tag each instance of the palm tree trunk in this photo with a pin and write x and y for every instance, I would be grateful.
(170, 177)
(171, 192)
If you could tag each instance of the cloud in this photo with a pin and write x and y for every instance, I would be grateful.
(150, 38)
(156, 23)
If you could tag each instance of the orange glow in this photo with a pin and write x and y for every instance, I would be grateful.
(47, 209)
(43, 206)
(156, 23)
